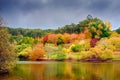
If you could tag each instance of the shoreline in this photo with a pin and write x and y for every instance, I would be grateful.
(73, 60)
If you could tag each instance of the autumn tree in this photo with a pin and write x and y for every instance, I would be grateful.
(66, 38)
(7, 53)
(100, 29)
(52, 38)
(60, 39)
(38, 52)
(87, 33)
(73, 37)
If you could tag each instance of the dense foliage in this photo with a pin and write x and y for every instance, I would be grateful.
(29, 32)
(118, 30)
(7, 53)
(90, 39)
(99, 29)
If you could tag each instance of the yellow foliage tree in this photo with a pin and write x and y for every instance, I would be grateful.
(66, 38)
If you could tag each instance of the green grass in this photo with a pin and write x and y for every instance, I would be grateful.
(118, 58)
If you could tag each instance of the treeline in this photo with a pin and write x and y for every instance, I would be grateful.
(118, 30)
(77, 28)
(29, 32)
(71, 28)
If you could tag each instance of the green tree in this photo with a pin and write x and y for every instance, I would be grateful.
(85, 23)
(99, 29)
(118, 30)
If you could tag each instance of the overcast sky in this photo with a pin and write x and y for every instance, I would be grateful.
(46, 14)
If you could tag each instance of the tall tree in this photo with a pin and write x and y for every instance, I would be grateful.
(7, 54)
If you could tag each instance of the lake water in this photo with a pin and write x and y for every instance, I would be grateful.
(65, 71)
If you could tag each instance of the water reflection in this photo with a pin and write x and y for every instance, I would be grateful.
(65, 71)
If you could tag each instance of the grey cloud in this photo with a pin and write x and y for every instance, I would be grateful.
(55, 13)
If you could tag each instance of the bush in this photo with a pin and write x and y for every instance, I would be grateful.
(100, 53)
(77, 48)
(25, 53)
(21, 47)
(93, 42)
(38, 52)
(60, 39)
(60, 55)
(115, 41)
(53, 52)
(50, 49)
(106, 54)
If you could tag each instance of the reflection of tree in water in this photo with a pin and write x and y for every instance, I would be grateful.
(55, 71)
(66, 71)
(116, 73)
(38, 71)
(79, 71)
(99, 71)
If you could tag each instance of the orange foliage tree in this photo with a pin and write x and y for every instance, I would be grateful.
(66, 38)
(87, 33)
(73, 37)
(81, 36)
(38, 52)
(52, 38)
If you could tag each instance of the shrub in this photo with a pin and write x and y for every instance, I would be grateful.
(77, 48)
(106, 43)
(21, 47)
(93, 42)
(45, 39)
(86, 44)
(115, 41)
(60, 39)
(53, 52)
(60, 55)
(106, 54)
(25, 53)
(52, 38)
(73, 37)
(83, 54)
(38, 52)
(50, 49)
(66, 38)
(99, 53)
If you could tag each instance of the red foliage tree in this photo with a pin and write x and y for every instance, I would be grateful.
(93, 42)
(52, 38)
(45, 39)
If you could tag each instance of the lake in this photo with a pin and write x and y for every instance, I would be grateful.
(65, 71)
